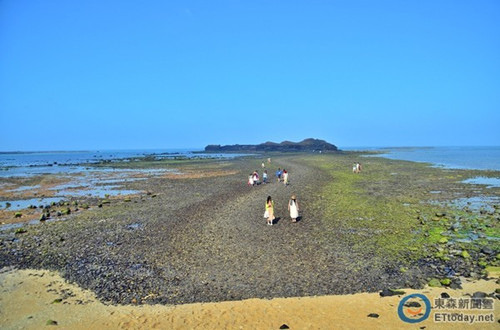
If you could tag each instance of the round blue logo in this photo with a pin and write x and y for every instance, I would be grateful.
(414, 312)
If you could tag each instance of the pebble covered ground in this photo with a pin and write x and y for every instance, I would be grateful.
(203, 238)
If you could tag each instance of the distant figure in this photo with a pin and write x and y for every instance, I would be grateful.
(293, 207)
(264, 177)
(255, 177)
(355, 168)
(359, 167)
(270, 210)
(278, 174)
(269, 160)
(250, 179)
(263, 165)
(285, 177)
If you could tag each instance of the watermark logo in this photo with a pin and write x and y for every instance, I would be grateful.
(464, 310)
(414, 308)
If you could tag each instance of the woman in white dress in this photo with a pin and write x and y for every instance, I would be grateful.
(293, 207)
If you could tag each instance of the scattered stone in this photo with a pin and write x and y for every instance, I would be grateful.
(413, 304)
(21, 231)
(443, 240)
(487, 250)
(56, 301)
(440, 214)
(465, 254)
(479, 294)
(42, 217)
(51, 322)
(391, 292)
(66, 211)
(284, 326)
(18, 215)
(434, 283)
(374, 315)
(446, 281)
(445, 295)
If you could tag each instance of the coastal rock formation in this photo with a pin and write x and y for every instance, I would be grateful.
(305, 145)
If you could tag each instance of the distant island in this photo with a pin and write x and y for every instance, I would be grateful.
(285, 146)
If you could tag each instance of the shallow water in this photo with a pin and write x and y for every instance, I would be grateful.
(19, 204)
(479, 158)
(490, 182)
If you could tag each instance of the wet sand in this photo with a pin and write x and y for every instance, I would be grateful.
(28, 301)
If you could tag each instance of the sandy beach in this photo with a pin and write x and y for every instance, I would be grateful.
(29, 298)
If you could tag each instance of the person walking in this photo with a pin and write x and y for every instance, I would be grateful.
(278, 174)
(293, 207)
(264, 177)
(270, 210)
(285, 177)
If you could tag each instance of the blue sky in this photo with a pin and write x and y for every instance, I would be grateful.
(173, 74)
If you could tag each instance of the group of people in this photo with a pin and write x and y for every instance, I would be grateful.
(254, 178)
(293, 208)
(356, 168)
(281, 176)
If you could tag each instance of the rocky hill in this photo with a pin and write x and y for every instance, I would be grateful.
(305, 145)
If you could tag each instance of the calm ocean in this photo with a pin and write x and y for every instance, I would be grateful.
(479, 158)
(34, 163)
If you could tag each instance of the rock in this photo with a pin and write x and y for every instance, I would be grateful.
(443, 240)
(434, 283)
(465, 254)
(51, 322)
(487, 250)
(446, 281)
(105, 201)
(413, 304)
(444, 295)
(20, 231)
(284, 326)
(18, 215)
(374, 315)
(66, 211)
(391, 292)
(479, 294)
(56, 301)
(497, 290)
(42, 217)
(440, 214)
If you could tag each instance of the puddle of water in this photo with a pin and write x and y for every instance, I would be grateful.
(20, 204)
(24, 188)
(477, 203)
(99, 192)
(489, 182)
(30, 223)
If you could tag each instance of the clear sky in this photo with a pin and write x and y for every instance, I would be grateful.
(173, 74)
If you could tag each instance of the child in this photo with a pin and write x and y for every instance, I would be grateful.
(270, 210)
(293, 207)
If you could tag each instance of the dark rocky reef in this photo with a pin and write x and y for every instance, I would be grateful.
(285, 146)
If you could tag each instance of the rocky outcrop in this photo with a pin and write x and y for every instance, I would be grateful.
(305, 145)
